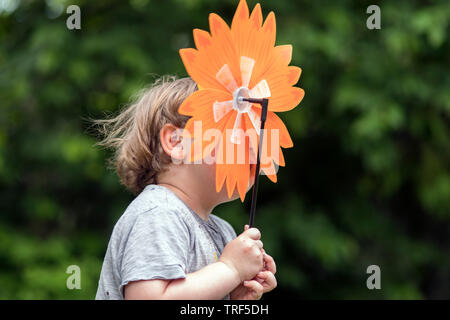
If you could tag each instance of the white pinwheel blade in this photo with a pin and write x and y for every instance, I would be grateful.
(220, 109)
(255, 119)
(261, 90)
(236, 134)
(247, 65)
(225, 77)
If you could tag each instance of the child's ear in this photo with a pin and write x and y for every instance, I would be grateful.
(171, 142)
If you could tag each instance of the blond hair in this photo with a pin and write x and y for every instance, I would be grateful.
(134, 132)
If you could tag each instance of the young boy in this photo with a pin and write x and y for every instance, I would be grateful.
(167, 244)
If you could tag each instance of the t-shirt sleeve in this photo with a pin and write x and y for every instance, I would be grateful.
(156, 248)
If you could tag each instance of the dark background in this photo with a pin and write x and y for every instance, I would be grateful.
(367, 182)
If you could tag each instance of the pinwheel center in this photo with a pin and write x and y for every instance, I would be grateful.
(239, 105)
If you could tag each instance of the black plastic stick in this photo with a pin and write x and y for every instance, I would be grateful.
(264, 104)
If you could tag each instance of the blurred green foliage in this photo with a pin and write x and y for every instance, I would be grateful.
(367, 182)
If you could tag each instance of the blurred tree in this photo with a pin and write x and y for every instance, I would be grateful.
(368, 181)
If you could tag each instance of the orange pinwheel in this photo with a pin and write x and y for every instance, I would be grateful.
(229, 64)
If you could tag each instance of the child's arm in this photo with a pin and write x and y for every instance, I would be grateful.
(214, 281)
(240, 260)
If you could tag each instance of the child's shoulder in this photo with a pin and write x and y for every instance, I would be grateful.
(152, 197)
(152, 203)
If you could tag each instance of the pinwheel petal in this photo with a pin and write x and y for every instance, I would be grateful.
(240, 17)
(293, 75)
(274, 122)
(284, 52)
(221, 173)
(256, 16)
(286, 99)
(243, 174)
(260, 48)
(224, 47)
(202, 39)
(270, 171)
(202, 73)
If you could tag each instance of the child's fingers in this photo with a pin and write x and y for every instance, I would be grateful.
(256, 288)
(262, 274)
(260, 277)
(246, 227)
(252, 233)
(269, 263)
(259, 243)
(269, 282)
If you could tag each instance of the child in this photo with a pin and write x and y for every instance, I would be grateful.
(167, 244)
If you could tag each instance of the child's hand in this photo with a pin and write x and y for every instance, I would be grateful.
(264, 281)
(243, 254)
(267, 277)
(248, 290)
(269, 263)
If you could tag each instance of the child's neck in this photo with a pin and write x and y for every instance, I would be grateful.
(193, 201)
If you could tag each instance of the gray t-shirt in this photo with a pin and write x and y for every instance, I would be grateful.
(159, 237)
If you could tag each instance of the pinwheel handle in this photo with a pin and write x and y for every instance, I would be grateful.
(264, 104)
